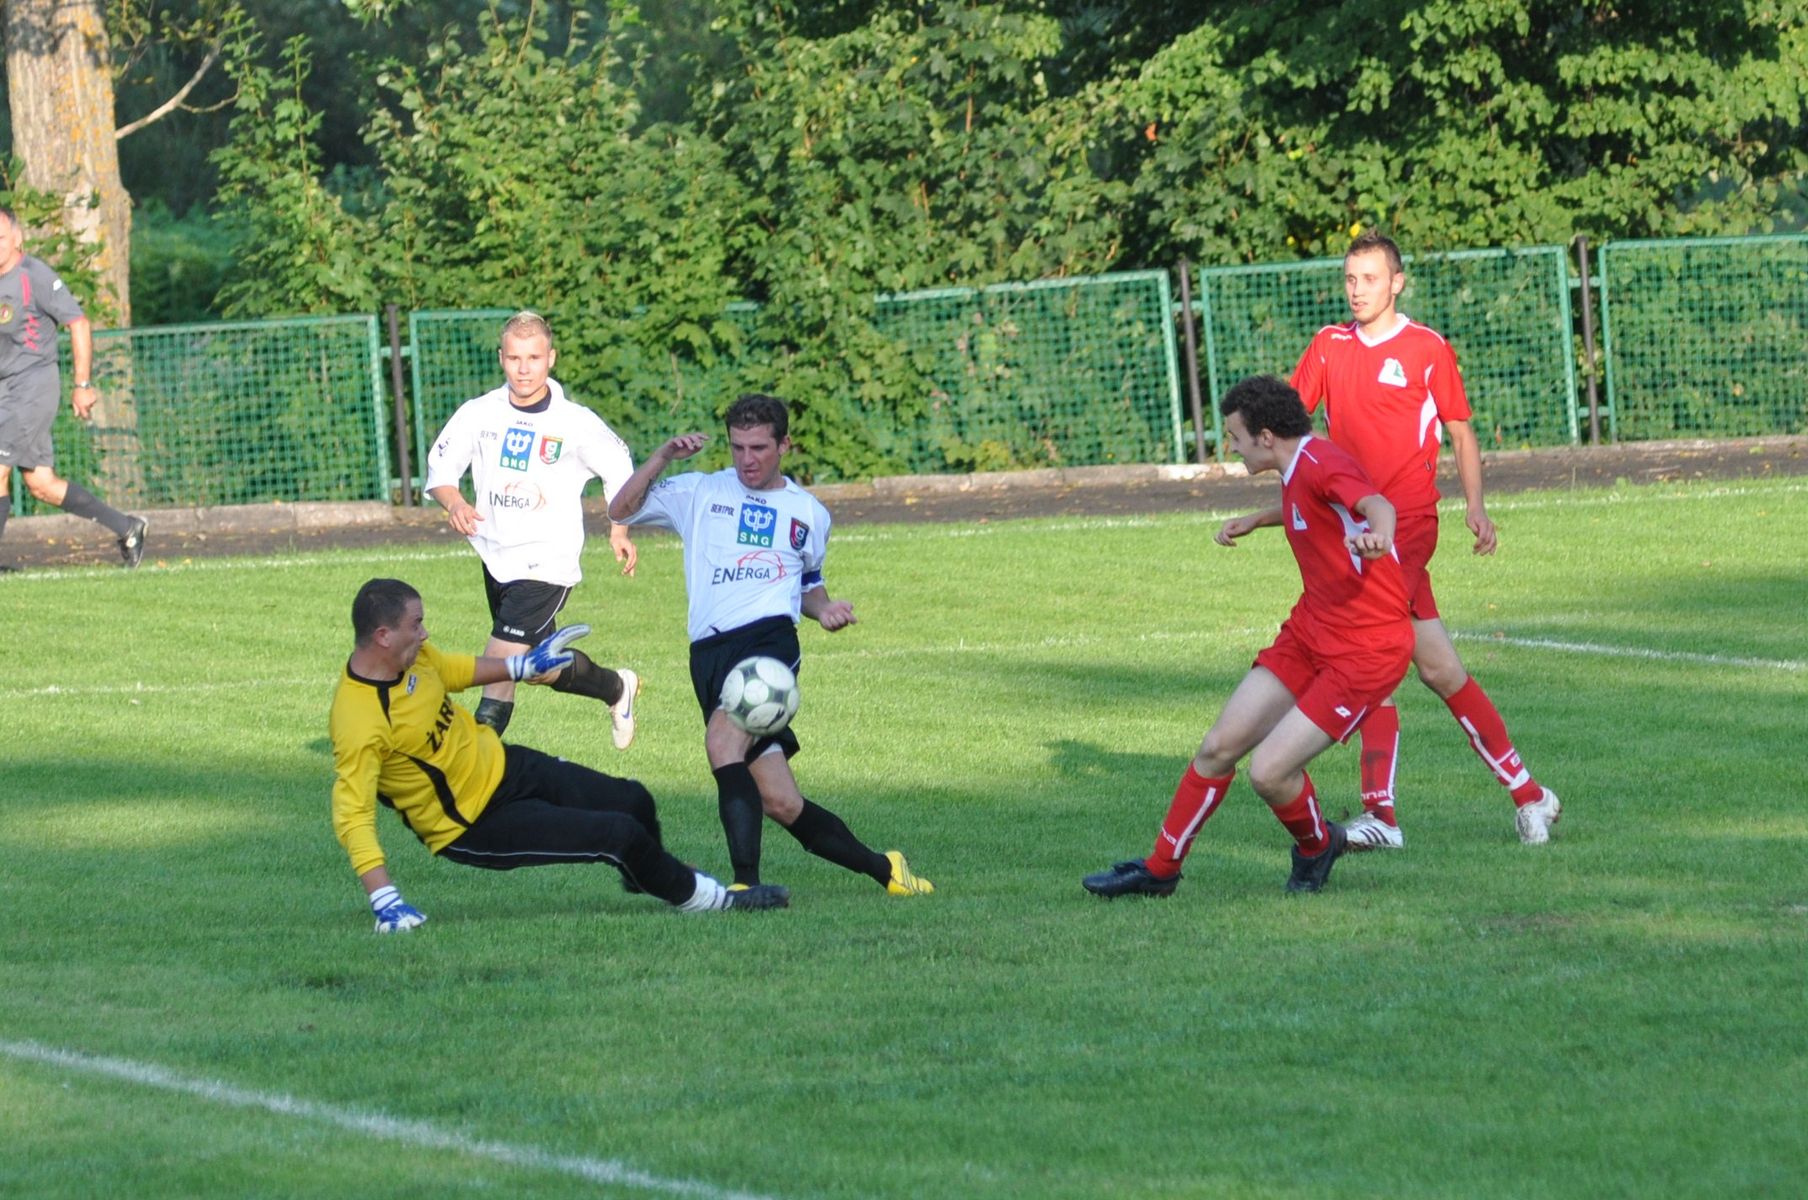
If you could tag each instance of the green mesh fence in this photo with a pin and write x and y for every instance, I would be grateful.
(1068, 372)
(1705, 336)
(454, 359)
(1507, 313)
(231, 413)
(1063, 372)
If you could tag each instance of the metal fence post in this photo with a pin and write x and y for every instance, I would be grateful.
(1192, 359)
(399, 397)
(1588, 341)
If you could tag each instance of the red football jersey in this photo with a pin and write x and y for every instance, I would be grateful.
(1344, 592)
(1386, 402)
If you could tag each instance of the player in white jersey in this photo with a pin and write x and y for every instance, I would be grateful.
(754, 546)
(530, 451)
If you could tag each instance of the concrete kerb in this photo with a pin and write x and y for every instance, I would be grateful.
(276, 518)
(284, 517)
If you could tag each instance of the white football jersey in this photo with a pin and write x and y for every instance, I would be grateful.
(528, 470)
(748, 554)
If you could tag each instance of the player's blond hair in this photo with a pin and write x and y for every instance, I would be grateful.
(526, 323)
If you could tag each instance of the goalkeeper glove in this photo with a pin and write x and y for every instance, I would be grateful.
(394, 915)
(549, 655)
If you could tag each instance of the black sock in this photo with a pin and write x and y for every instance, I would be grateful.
(80, 502)
(6, 510)
(584, 678)
(826, 835)
(494, 713)
(738, 802)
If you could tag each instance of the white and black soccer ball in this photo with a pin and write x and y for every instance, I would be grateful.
(760, 695)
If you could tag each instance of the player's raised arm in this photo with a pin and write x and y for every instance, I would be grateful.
(633, 493)
(1237, 527)
(1378, 539)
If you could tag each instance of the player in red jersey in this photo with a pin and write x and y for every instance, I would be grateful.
(1390, 387)
(1342, 650)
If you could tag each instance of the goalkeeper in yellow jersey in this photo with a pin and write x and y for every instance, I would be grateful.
(399, 741)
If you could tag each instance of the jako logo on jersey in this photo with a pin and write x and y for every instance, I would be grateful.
(762, 566)
(756, 525)
(1392, 373)
(518, 497)
(515, 445)
(550, 448)
(800, 533)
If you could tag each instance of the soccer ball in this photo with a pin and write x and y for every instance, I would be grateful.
(760, 695)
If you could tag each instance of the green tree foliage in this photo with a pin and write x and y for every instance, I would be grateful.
(916, 146)
(1274, 129)
(516, 178)
(829, 153)
(302, 250)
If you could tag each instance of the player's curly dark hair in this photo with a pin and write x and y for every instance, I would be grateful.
(757, 408)
(1374, 239)
(380, 604)
(1267, 403)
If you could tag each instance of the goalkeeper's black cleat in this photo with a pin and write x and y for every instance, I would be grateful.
(1310, 873)
(1131, 878)
(758, 896)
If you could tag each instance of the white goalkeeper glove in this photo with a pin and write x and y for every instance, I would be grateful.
(394, 915)
(549, 655)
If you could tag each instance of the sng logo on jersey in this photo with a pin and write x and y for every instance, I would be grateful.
(761, 566)
(550, 448)
(756, 525)
(515, 445)
(800, 533)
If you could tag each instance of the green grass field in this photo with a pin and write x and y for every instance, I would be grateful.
(192, 1002)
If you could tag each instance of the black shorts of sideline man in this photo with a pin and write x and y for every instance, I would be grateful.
(548, 811)
(713, 657)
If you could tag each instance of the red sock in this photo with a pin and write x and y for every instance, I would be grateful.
(1194, 801)
(1488, 734)
(1380, 757)
(1303, 820)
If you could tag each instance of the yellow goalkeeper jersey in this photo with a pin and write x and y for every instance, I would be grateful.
(404, 744)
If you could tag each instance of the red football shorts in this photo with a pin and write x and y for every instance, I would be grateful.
(1336, 685)
(1415, 541)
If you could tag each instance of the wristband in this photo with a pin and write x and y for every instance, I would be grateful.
(84, 384)
(383, 897)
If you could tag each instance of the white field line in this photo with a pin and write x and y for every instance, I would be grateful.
(1016, 647)
(419, 1135)
(1677, 656)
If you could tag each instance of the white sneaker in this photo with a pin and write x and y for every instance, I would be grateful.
(1534, 820)
(1369, 832)
(621, 713)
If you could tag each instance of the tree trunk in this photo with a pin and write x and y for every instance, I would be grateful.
(59, 75)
